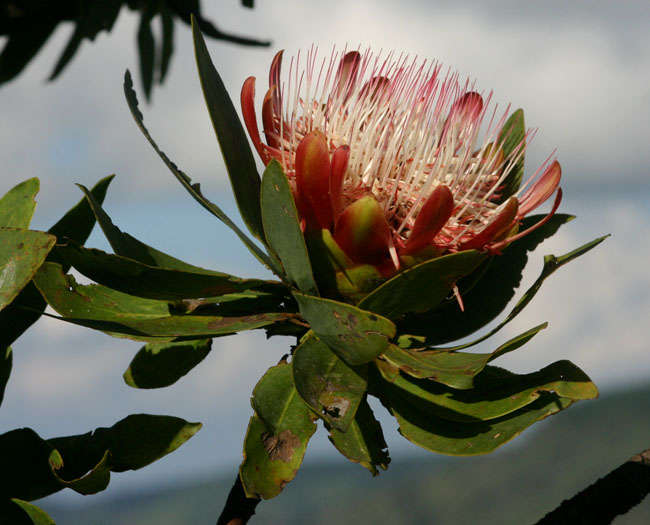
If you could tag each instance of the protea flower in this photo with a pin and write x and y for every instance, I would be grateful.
(396, 160)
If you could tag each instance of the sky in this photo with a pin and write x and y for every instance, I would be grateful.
(581, 71)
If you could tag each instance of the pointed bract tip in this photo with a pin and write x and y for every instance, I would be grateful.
(432, 217)
(543, 188)
(313, 180)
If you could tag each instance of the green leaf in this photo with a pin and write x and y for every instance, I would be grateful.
(454, 369)
(102, 308)
(158, 365)
(496, 391)
(21, 254)
(76, 224)
(18, 204)
(512, 134)
(5, 370)
(140, 439)
(486, 292)
(277, 434)
(234, 145)
(193, 189)
(419, 426)
(356, 336)
(363, 442)
(282, 228)
(31, 513)
(421, 287)
(136, 278)
(330, 387)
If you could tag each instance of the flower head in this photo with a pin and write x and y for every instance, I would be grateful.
(394, 157)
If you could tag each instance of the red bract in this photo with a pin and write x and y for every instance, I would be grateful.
(385, 154)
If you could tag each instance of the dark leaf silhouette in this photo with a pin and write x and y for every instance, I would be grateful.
(28, 24)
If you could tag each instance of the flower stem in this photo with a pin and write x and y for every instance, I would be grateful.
(238, 508)
(610, 496)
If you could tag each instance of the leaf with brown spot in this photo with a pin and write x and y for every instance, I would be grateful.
(355, 335)
(281, 446)
(116, 313)
(18, 204)
(277, 434)
(22, 252)
(328, 385)
(363, 442)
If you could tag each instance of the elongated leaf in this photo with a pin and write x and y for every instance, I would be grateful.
(102, 308)
(282, 228)
(421, 287)
(21, 254)
(34, 467)
(136, 278)
(18, 204)
(146, 47)
(551, 264)
(234, 145)
(277, 434)
(162, 364)
(486, 292)
(128, 246)
(330, 387)
(466, 439)
(25, 310)
(363, 442)
(512, 134)
(140, 439)
(5, 369)
(496, 391)
(27, 515)
(454, 369)
(193, 189)
(167, 45)
(356, 336)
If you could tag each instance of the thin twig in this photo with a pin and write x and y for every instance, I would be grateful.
(238, 509)
(611, 496)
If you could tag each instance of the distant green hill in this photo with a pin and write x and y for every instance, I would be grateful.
(517, 485)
